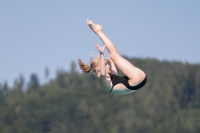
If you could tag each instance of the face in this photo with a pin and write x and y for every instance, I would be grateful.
(107, 67)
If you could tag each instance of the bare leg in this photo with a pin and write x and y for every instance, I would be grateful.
(134, 74)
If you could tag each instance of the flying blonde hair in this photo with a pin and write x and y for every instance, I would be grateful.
(93, 64)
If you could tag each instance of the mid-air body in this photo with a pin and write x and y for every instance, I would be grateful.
(107, 74)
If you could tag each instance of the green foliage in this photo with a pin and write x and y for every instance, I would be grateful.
(73, 102)
(33, 83)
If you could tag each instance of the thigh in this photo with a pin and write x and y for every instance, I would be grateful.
(134, 74)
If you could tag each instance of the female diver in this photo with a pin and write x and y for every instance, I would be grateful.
(108, 76)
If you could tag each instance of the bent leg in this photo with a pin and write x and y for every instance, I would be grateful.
(134, 74)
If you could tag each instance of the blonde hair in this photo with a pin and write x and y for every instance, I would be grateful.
(93, 64)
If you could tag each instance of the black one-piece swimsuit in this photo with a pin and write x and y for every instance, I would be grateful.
(124, 80)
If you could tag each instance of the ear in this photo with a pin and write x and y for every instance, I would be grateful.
(98, 68)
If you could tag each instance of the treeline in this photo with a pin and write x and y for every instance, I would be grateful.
(74, 102)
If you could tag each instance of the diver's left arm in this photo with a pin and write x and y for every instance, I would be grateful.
(113, 67)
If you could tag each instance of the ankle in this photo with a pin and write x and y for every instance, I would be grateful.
(99, 32)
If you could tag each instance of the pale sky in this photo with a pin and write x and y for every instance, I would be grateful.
(48, 33)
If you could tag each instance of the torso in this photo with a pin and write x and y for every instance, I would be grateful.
(119, 88)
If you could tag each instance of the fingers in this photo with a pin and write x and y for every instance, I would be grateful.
(101, 49)
(97, 46)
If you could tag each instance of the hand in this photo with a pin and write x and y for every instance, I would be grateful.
(101, 49)
(109, 59)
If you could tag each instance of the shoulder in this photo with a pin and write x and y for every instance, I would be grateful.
(105, 81)
(104, 78)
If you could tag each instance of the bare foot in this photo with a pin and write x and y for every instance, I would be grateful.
(95, 27)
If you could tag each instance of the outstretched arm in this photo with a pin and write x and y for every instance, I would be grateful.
(102, 74)
(102, 62)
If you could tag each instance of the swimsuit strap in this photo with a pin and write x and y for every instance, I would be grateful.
(111, 89)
